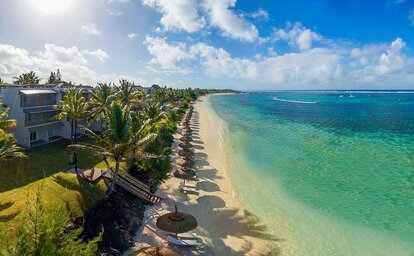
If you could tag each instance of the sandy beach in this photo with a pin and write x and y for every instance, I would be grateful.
(222, 229)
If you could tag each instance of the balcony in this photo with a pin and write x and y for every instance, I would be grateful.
(39, 118)
(37, 98)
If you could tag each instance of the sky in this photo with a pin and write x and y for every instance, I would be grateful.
(238, 44)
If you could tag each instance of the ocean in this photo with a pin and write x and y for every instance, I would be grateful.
(326, 172)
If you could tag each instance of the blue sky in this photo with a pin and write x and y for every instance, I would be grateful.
(262, 44)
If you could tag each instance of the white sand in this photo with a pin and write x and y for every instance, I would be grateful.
(221, 226)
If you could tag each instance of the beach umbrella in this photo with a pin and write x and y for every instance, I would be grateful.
(186, 139)
(186, 153)
(177, 222)
(185, 175)
(155, 251)
(185, 163)
(185, 145)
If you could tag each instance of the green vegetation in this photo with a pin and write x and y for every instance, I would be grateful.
(27, 78)
(41, 233)
(47, 166)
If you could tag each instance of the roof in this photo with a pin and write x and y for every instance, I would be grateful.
(44, 91)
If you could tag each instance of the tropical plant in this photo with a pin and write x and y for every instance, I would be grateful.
(102, 98)
(2, 81)
(8, 147)
(128, 94)
(120, 139)
(73, 107)
(27, 78)
(152, 110)
(43, 233)
(4, 122)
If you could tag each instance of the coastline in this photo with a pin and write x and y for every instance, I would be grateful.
(223, 226)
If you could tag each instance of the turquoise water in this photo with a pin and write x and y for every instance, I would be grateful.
(329, 173)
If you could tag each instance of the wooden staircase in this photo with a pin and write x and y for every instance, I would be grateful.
(136, 187)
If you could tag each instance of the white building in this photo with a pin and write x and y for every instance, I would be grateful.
(32, 106)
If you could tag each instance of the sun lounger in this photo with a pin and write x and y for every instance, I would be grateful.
(187, 236)
(186, 189)
(188, 185)
(179, 242)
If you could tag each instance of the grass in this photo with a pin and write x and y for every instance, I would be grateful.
(47, 166)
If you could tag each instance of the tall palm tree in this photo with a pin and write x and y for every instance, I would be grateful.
(119, 139)
(127, 94)
(8, 147)
(74, 108)
(27, 78)
(101, 101)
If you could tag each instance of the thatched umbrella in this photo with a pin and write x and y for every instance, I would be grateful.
(155, 251)
(185, 175)
(186, 153)
(177, 222)
(185, 145)
(186, 139)
(185, 163)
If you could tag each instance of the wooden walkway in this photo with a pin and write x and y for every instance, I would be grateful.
(136, 187)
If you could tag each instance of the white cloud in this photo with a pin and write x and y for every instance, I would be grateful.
(71, 62)
(297, 36)
(330, 66)
(178, 14)
(375, 62)
(221, 16)
(411, 17)
(192, 15)
(167, 56)
(90, 28)
(133, 35)
(98, 53)
(260, 14)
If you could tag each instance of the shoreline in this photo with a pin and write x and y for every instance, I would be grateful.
(223, 227)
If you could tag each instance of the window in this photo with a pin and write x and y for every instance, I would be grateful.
(33, 136)
(51, 132)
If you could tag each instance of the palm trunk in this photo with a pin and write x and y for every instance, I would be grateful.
(114, 177)
(75, 151)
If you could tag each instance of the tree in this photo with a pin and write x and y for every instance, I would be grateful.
(58, 76)
(152, 110)
(127, 94)
(120, 139)
(43, 233)
(101, 101)
(8, 147)
(4, 122)
(52, 78)
(74, 108)
(2, 81)
(27, 78)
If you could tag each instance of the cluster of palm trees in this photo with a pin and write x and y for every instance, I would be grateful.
(127, 117)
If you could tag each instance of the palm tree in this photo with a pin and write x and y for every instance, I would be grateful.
(4, 123)
(152, 111)
(74, 108)
(101, 101)
(8, 147)
(120, 139)
(127, 94)
(2, 81)
(27, 78)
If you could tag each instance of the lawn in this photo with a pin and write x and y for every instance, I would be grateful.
(47, 166)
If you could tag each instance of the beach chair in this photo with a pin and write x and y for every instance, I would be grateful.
(186, 189)
(178, 242)
(187, 236)
(188, 184)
